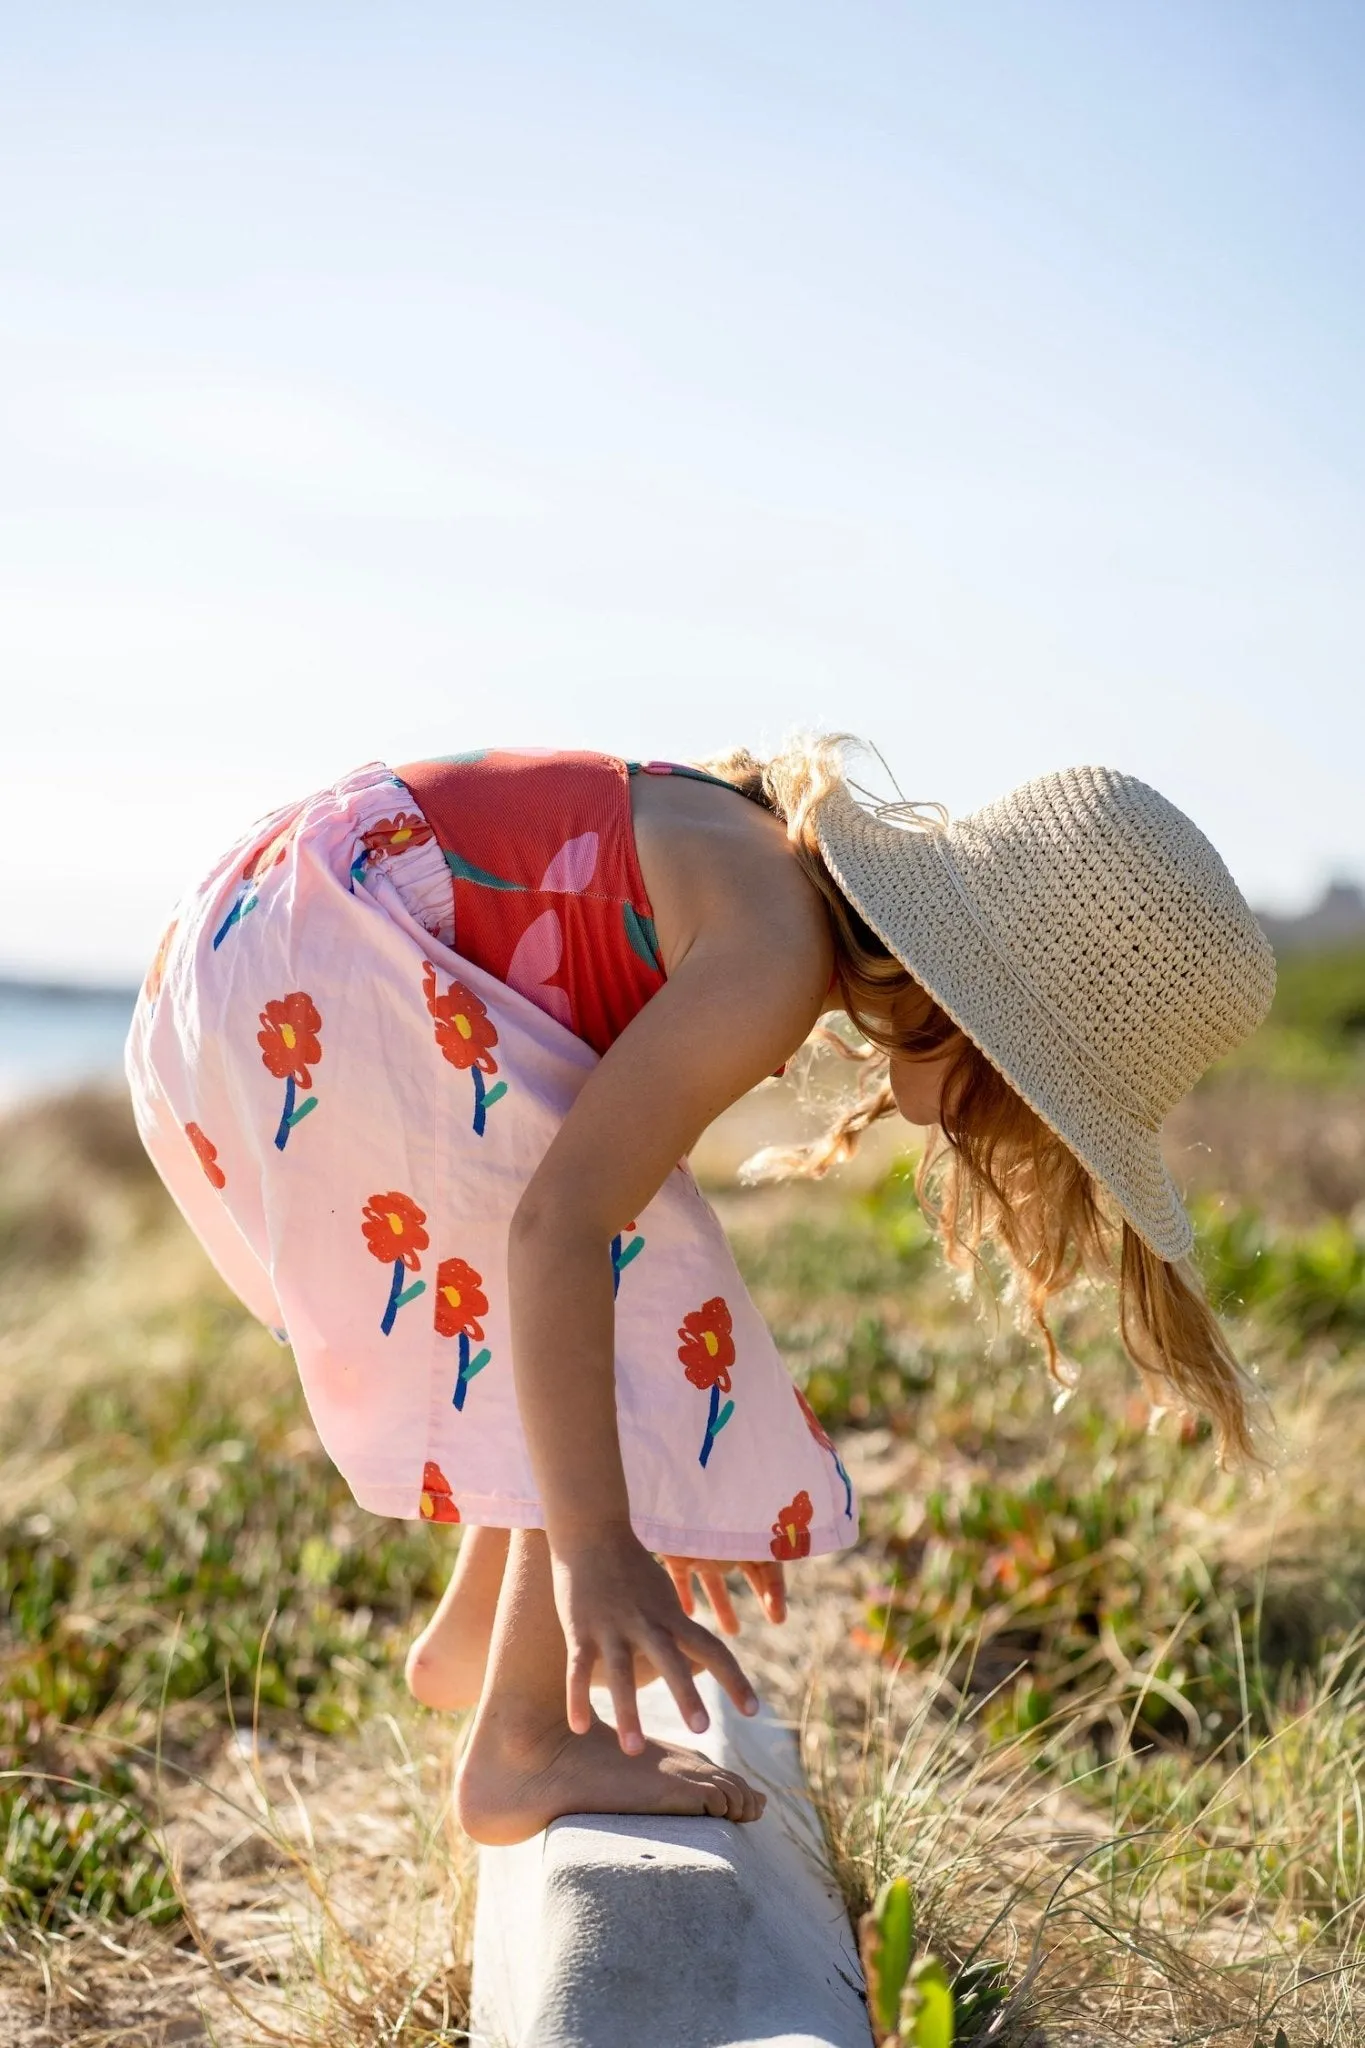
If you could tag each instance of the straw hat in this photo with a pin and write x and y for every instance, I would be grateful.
(1087, 937)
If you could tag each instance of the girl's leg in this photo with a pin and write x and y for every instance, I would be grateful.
(522, 1767)
(446, 1664)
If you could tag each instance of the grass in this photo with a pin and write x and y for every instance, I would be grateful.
(178, 1562)
(1102, 1704)
(1120, 1755)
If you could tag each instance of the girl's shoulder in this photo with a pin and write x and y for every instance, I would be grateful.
(720, 867)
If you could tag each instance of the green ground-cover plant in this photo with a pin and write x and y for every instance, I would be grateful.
(193, 1556)
(1316, 1028)
(216, 1578)
(1078, 1565)
(1304, 1284)
(1321, 994)
(1070, 1596)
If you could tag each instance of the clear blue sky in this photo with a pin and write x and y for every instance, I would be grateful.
(385, 380)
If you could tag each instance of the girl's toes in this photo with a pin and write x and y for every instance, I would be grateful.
(740, 1797)
(751, 1802)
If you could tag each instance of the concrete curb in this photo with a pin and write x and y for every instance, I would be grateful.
(629, 1932)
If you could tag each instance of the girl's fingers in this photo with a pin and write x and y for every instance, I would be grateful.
(680, 1571)
(674, 1668)
(578, 1685)
(708, 1651)
(619, 1670)
(769, 1582)
(766, 1580)
(712, 1577)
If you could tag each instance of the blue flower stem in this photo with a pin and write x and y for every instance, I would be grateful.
(239, 909)
(282, 1134)
(621, 1259)
(848, 1486)
(712, 1412)
(478, 1101)
(394, 1291)
(462, 1376)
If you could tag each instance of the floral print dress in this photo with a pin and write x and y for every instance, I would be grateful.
(357, 1040)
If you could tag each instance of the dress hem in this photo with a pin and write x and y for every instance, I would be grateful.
(741, 1546)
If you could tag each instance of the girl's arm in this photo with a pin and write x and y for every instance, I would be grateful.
(732, 1010)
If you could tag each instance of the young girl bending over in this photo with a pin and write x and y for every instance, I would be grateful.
(420, 1058)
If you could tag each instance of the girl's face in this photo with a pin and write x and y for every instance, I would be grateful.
(918, 1086)
(917, 1082)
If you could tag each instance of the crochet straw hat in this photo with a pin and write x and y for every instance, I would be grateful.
(1086, 936)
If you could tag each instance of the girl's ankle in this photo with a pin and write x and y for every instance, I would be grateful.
(525, 1733)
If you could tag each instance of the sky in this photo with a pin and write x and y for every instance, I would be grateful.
(983, 379)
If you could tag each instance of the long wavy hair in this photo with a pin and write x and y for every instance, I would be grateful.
(992, 1170)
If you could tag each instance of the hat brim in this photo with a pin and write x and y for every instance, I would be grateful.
(897, 882)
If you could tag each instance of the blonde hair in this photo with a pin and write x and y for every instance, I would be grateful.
(992, 1170)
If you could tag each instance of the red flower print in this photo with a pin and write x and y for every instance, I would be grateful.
(813, 1422)
(396, 834)
(464, 1030)
(708, 1348)
(270, 852)
(208, 1156)
(266, 854)
(435, 1503)
(151, 987)
(288, 1038)
(826, 1443)
(460, 1300)
(791, 1530)
(393, 1230)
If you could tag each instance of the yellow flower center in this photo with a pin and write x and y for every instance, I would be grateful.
(287, 1034)
(401, 838)
(791, 1532)
(427, 1506)
(711, 1341)
(395, 1223)
(463, 1026)
(452, 1295)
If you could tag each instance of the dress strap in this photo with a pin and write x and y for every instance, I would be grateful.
(679, 768)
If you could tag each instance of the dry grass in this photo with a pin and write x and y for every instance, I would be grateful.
(1113, 1739)
(1121, 1905)
(324, 1899)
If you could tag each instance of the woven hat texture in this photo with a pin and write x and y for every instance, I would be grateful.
(1085, 934)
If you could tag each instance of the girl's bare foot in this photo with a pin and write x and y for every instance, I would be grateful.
(446, 1664)
(513, 1781)
(522, 1767)
(446, 1673)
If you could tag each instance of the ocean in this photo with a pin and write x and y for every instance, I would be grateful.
(56, 1038)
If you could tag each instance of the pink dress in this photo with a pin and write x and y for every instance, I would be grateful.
(346, 1104)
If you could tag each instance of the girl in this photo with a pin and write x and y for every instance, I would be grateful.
(418, 1062)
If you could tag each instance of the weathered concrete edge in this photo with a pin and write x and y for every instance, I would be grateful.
(608, 1932)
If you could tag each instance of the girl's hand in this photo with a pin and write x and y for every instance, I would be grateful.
(614, 1602)
(767, 1582)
